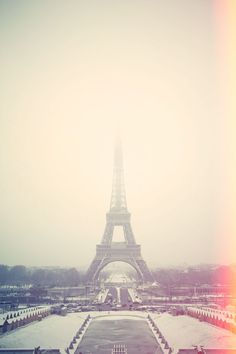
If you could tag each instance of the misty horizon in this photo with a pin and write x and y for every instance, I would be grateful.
(75, 73)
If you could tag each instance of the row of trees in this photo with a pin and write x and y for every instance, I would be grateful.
(17, 275)
(20, 274)
(223, 275)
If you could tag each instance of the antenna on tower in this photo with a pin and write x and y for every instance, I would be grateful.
(118, 196)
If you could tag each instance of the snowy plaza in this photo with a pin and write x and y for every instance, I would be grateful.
(57, 331)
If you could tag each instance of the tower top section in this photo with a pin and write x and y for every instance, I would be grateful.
(118, 197)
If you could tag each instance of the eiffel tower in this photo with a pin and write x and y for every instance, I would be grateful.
(109, 251)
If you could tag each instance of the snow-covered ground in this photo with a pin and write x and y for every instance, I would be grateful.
(118, 295)
(184, 332)
(57, 331)
(101, 296)
(134, 295)
(52, 332)
(118, 278)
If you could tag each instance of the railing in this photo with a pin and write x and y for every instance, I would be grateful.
(119, 349)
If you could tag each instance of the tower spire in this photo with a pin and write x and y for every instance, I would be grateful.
(118, 196)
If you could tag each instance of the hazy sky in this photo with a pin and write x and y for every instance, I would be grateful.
(72, 73)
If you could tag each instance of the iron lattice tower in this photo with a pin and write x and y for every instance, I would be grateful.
(109, 251)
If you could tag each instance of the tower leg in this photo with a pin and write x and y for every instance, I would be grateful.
(92, 270)
(147, 276)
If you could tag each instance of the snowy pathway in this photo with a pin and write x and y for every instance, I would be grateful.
(184, 332)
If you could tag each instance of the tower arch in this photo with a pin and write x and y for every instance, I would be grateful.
(110, 261)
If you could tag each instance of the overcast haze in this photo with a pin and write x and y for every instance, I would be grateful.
(72, 74)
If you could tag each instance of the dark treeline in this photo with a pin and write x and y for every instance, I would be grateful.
(19, 275)
(221, 275)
